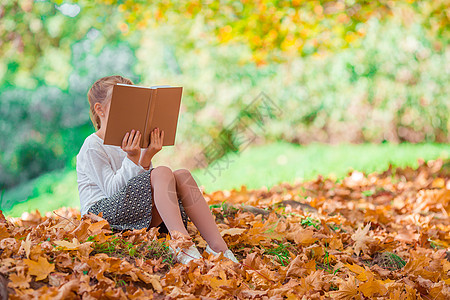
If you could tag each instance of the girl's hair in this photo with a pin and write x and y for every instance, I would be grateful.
(101, 92)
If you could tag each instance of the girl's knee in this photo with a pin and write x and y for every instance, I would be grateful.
(161, 172)
(181, 173)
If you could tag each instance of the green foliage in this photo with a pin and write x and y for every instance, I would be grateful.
(308, 221)
(281, 252)
(277, 29)
(341, 71)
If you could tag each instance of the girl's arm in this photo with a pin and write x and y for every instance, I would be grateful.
(99, 170)
(146, 159)
(156, 141)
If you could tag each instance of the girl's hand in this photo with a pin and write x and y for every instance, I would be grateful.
(130, 145)
(156, 142)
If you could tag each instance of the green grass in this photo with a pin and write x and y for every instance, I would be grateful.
(255, 167)
(269, 165)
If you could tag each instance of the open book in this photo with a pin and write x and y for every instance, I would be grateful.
(144, 109)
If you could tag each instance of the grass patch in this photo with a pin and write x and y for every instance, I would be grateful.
(117, 247)
(281, 252)
(269, 165)
(389, 260)
(255, 167)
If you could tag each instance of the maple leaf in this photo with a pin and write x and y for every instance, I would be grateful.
(232, 231)
(359, 271)
(96, 227)
(360, 237)
(347, 290)
(302, 236)
(84, 248)
(372, 287)
(154, 280)
(178, 239)
(19, 280)
(40, 269)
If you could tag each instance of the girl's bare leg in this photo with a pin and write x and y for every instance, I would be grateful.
(165, 199)
(198, 210)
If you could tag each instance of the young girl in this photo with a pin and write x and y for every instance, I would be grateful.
(122, 183)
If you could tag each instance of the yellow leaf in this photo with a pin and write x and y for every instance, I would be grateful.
(372, 287)
(68, 245)
(84, 248)
(347, 290)
(40, 269)
(359, 271)
(232, 231)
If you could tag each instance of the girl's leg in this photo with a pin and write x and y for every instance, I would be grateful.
(165, 199)
(156, 217)
(198, 210)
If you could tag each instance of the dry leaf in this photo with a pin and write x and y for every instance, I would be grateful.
(40, 268)
(361, 239)
(232, 231)
(347, 290)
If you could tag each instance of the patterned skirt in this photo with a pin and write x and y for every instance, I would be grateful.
(131, 207)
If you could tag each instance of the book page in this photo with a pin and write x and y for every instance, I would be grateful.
(164, 111)
(129, 108)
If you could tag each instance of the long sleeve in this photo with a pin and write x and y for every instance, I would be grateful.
(101, 173)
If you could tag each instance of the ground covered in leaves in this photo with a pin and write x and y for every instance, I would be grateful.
(383, 236)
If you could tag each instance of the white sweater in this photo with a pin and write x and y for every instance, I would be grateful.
(102, 170)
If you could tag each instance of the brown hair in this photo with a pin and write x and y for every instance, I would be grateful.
(100, 92)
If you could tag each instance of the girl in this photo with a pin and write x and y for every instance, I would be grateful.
(122, 183)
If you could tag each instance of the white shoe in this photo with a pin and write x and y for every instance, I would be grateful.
(228, 254)
(184, 256)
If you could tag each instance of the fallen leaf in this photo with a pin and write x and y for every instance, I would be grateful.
(360, 237)
(347, 290)
(372, 287)
(26, 245)
(232, 231)
(40, 269)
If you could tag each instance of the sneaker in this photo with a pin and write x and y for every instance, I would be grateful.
(184, 256)
(228, 254)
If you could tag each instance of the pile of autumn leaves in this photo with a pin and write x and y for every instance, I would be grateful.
(319, 239)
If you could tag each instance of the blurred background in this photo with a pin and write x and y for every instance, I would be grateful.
(359, 85)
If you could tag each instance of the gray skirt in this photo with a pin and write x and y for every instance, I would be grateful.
(131, 206)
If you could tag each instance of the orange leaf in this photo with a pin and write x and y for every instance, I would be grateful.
(97, 226)
(372, 287)
(19, 280)
(347, 290)
(304, 237)
(40, 269)
(359, 271)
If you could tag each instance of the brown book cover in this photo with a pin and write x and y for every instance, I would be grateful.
(144, 109)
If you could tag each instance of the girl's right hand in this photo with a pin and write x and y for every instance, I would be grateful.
(130, 144)
(156, 141)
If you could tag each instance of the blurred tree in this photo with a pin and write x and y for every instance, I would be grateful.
(36, 35)
(36, 38)
(277, 29)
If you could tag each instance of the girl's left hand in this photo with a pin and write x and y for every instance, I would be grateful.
(156, 143)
